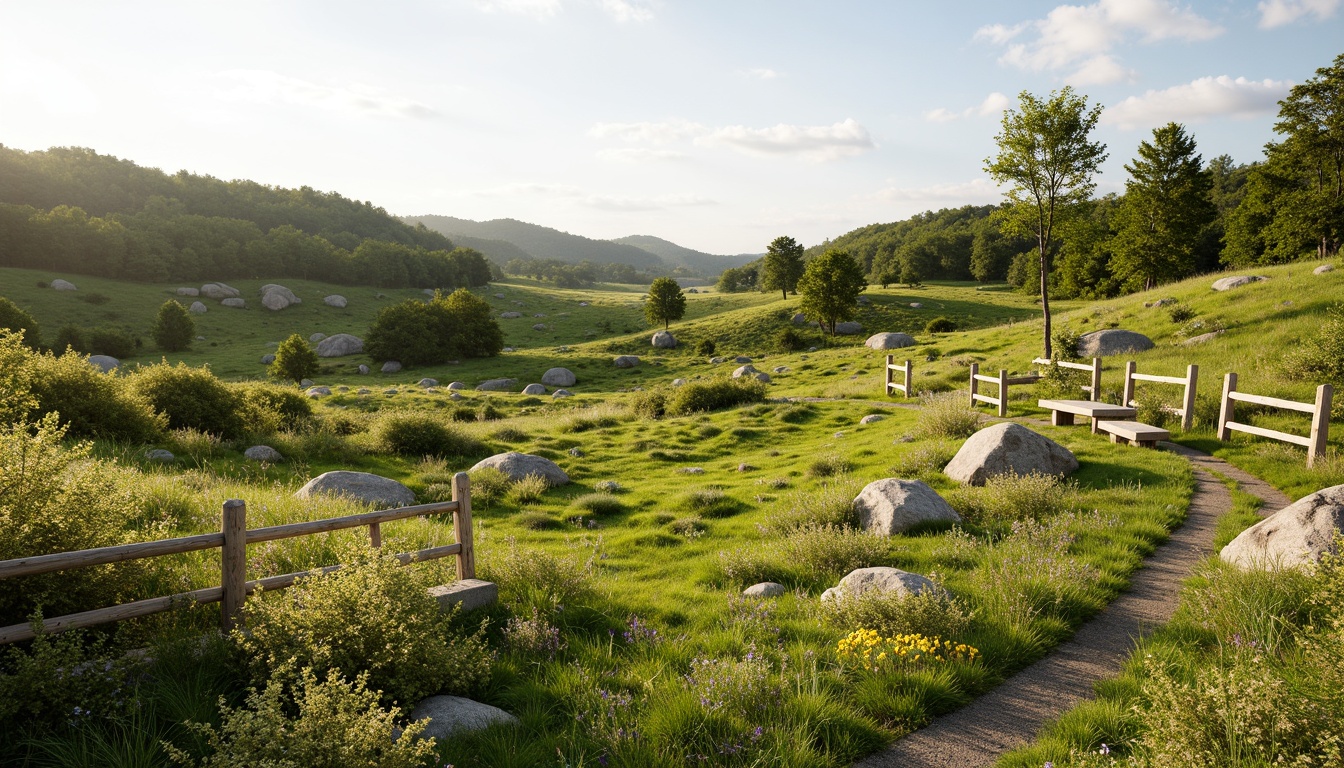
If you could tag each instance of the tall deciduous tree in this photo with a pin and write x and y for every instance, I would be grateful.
(1046, 157)
(830, 286)
(1166, 206)
(782, 266)
(665, 302)
(173, 328)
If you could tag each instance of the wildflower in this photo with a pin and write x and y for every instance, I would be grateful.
(1105, 750)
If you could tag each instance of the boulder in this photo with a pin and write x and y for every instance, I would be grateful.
(318, 391)
(1201, 338)
(892, 581)
(562, 393)
(274, 301)
(197, 308)
(233, 302)
(267, 359)
(220, 291)
(1112, 341)
(306, 382)
(559, 377)
(316, 337)
(539, 327)
(449, 715)
(872, 418)
(1321, 270)
(391, 366)
(510, 315)
(761, 376)
(765, 589)
(159, 454)
(263, 453)
(188, 291)
(455, 385)
(664, 340)
(626, 361)
(534, 389)
(63, 285)
(849, 328)
(1008, 449)
(427, 291)
(891, 506)
(741, 359)
(340, 345)
(780, 369)
(1167, 302)
(360, 486)
(679, 382)
(390, 391)
(497, 385)
(1297, 535)
(499, 295)
(283, 291)
(520, 465)
(363, 369)
(335, 300)
(715, 360)
(1236, 281)
(889, 341)
(745, 370)
(428, 383)
(799, 319)
(105, 362)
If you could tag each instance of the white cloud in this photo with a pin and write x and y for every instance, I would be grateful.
(625, 10)
(621, 203)
(536, 9)
(648, 132)
(761, 73)
(993, 104)
(812, 142)
(640, 155)
(1079, 37)
(259, 86)
(974, 191)
(1203, 98)
(1276, 13)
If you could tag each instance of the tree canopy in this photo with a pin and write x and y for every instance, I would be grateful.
(782, 265)
(830, 287)
(173, 328)
(665, 302)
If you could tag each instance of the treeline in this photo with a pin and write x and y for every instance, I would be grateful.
(582, 275)
(73, 210)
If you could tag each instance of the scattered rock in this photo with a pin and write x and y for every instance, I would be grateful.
(497, 385)
(1008, 448)
(391, 366)
(916, 305)
(159, 454)
(781, 369)
(449, 715)
(274, 301)
(679, 382)
(363, 369)
(1201, 338)
(340, 345)
(761, 376)
(1297, 535)
(219, 291)
(1112, 341)
(577, 452)
(263, 453)
(507, 349)
(1321, 270)
(559, 377)
(105, 362)
(267, 359)
(456, 385)
(197, 308)
(188, 291)
(306, 382)
(745, 370)
(233, 303)
(799, 319)
(316, 337)
(891, 506)
(427, 383)
(534, 389)
(499, 295)
(319, 391)
(690, 470)
(539, 327)
(848, 329)
(539, 314)
(363, 391)
(583, 303)
(520, 465)
(1236, 281)
(335, 300)
(891, 581)
(745, 467)
(63, 285)
(765, 589)
(664, 340)
(626, 361)
(562, 393)
(741, 359)
(889, 341)
(360, 486)
(510, 315)
(391, 391)
(716, 360)
(872, 418)
(1164, 302)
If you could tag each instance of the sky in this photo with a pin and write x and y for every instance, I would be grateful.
(716, 124)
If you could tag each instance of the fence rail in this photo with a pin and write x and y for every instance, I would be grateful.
(1093, 387)
(232, 542)
(1190, 380)
(906, 371)
(1320, 417)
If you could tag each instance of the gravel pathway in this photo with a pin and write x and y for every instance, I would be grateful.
(1009, 716)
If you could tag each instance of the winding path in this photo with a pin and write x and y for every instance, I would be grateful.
(1012, 714)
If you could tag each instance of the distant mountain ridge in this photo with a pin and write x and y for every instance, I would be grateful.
(504, 239)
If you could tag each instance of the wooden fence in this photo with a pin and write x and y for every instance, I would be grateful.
(232, 541)
(1191, 378)
(1320, 417)
(1093, 387)
(1002, 381)
(906, 371)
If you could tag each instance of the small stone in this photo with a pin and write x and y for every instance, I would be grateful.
(391, 366)
(746, 370)
(626, 361)
(678, 382)
(105, 362)
(745, 468)
(577, 452)
(691, 470)
(872, 418)
(456, 385)
(319, 391)
(390, 391)
(762, 376)
(363, 369)
(62, 285)
(1236, 281)
(510, 315)
(664, 340)
(363, 391)
(233, 302)
(335, 300)
(1321, 270)
(188, 291)
(765, 589)
(263, 453)
(197, 308)
(715, 360)
(781, 369)
(539, 327)
(916, 305)
(848, 328)
(159, 454)
(427, 383)
(741, 359)
(497, 385)
(562, 393)
(559, 377)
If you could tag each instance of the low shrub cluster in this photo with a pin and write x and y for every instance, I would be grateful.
(417, 434)
(698, 397)
(946, 414)
(1006, 499)
(1321, 357)
(190, 398)
(932, 612)
(869, 650)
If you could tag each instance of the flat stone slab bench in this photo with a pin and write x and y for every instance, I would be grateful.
(1126, 432)
(1063, 411)
(469, 593)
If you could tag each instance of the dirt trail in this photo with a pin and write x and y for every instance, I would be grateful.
(1012, 714)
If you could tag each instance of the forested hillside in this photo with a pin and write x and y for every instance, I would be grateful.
(543, 242)
(74, 210)
(706, 264)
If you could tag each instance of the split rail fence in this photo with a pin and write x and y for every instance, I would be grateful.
(1191, 378)
(232, 541)
(1319, 410)
(906, 371)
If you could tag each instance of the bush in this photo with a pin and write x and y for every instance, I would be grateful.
(15, 319)
(923, 461)
(1005, 499)
(933, 613)
(417, 434)
(598, 504)
(705, 348)
(173, 328)
(190, 398)
(697, 397)
(371, 617)
(829, 466)
(534, 579)
(790, 340)
(294, 360)
(527, 490)
(112, 342)
(419, 333)
(90, 403)
(60, 677)
(1064, 343)
(946, 414)
(337, 723)
(830, 504)
(830, 551)
(488, 486)
(70, 337)
(650, 404)
(1181, 314)
(270, 408)
(940, 325)
(1322, 356)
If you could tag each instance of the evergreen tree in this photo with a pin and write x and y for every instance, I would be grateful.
(173, 328)
(665, 302)
(782, 265)
(830, 287)
(294, 361)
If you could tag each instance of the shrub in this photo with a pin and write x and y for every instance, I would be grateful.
(790, 340)
(91, 403)
(16, 319)
(416, 434)
(527, 490)
(650, 404)
(1150, 409)
(940, 325)
(371, 617)
(697, 397)
(711, 502)
(923, 460)
(705, 348)
(1181, 314)
(190, 398)
(830, 504)
(488, 412)
(534, 637)
(294, 360)
(113, 342)
(1005, 499)
(70, 337)
(830, 550)
(173, 328)
(271, 408)
(742, 687)
(533, 578)
(419, 333)
(488, 486)
(932, 612)
(946, 414)
(1321, 356)
(337, 723)
(690, 527)
(598, 504)
(829, 465)
(796, 413)
(1064, 343)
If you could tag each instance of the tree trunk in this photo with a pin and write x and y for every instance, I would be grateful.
(1045, 297)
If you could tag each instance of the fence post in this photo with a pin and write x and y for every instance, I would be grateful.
(1320, 423)
(1003, 393)
(233, 559)
(466, 559)
(375, 535)
(1096, 380)
(1127, 398)
(886, 389)
(908, 370)
(1188, 407)
(975, 370)
(1225, 409)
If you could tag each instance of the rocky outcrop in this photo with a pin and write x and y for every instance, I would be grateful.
(220, 291)
(889, 341)
(1236, 281)
(1112, 341)
(361, 486)
(520, 465)
(891, 506)
(340, 345)
(1295, 536)
(1008, 449)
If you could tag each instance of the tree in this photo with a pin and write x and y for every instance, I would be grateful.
(782, 265)
(14, 318)
(1165, 208)
(469, 323)
(173, 328)
(294, 360)
(415, 332)
(1045, 155)
(665, 302)
(1312, 118)
(830, 286)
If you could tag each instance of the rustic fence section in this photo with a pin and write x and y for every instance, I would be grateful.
(1319, 410)
(232, 541)
(1093, 387)
(1002, 381)
(906, 371)
(1191, 378)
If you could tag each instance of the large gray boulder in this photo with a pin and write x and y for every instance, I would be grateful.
(664, 340)
(63, 285)
(197, 308)
(275, 301)
(848, 328)
(105, 362)
(889, 341)
(263, 453)
(340, 345)
(891, 506)
(391, 366)
(283, 291)
(746, 370)
(1297, 535)
(626, 361)
(360, 486)
(1008, 449)
(559, 377)
(189, 292)
(888, 581)
(534, 389)
(335, 300)
(1236, 281)
(520, 465)
(497, 385)
(449, 715)
(1321, 270)
(220, 291)
(1112, 341)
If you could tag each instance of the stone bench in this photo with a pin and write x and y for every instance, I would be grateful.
(1063, 411)
(1133, 432)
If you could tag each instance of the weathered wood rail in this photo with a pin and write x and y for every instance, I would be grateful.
(907, 373)
(1002, 381)
(1189, 381)
(1320, 417)
(1093, 387)
(232, 541)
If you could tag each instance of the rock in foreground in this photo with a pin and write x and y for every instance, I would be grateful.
(360, 486)
(520, 465)
(889, 341)
(892, 581)
(453, 714)
(891, 506)
(1296, 535)
(1112, 341)
(1008, 449)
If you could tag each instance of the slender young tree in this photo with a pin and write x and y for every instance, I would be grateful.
(665, 302)
(1046, 158)
(1165, 208)
(294, 360)
(782, 265)
(830, 286)
(173, 328)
